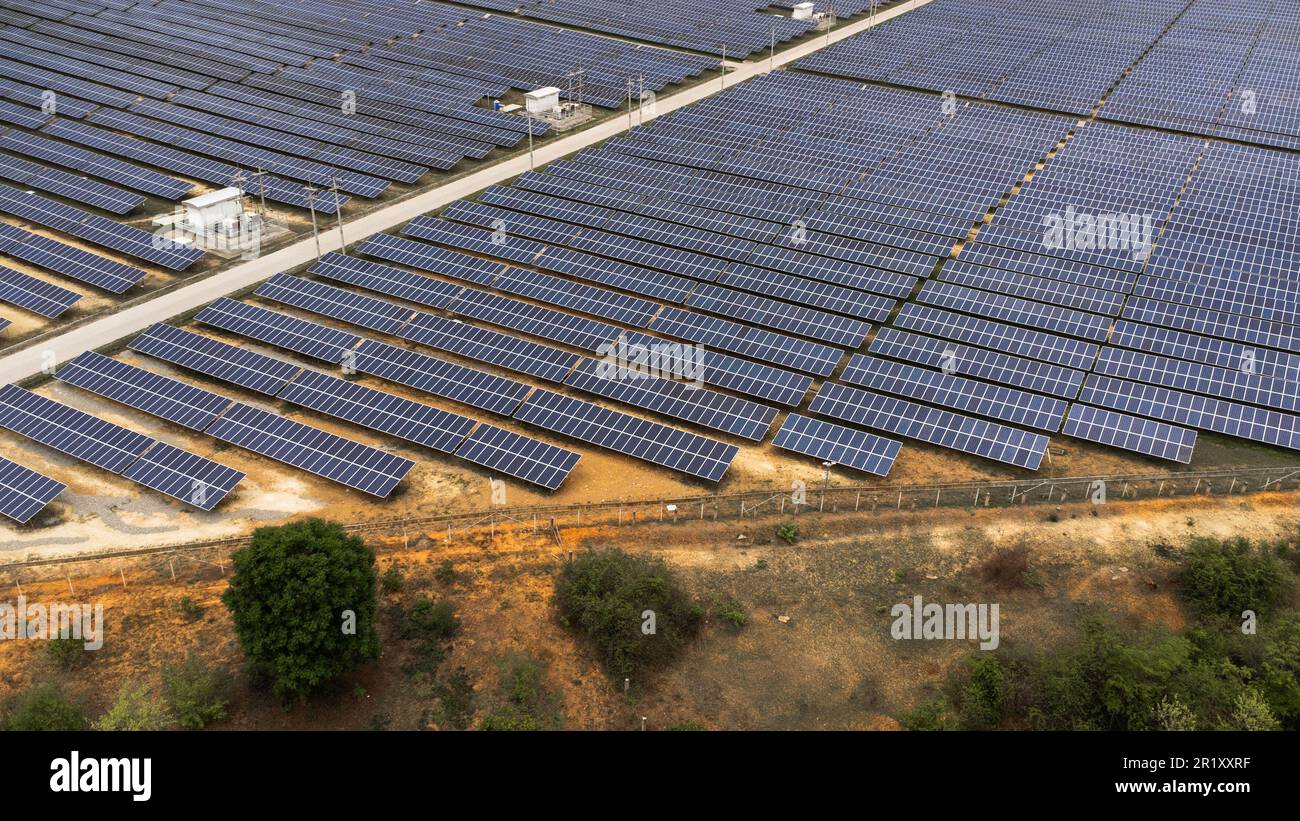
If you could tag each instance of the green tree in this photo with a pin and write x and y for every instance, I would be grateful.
(1251, 712)
(610, 596)
(44, 707)
(134, 708)
(302, 601)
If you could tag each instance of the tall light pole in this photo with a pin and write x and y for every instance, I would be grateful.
(338, 213)
(311, 191)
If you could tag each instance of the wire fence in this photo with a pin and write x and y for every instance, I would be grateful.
(550, 521)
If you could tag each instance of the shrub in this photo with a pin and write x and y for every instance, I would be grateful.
(932, 715)
(190, 609)
(288, 598)
(730, 611)
(1225, 577)
(984, 697)
(44, 707)
(68, 652)
(446, 572)
(604, 594)
(425, 619)
(1251, 712)
(195, 693)
(392, 581)
(788, 533)
(134, 708)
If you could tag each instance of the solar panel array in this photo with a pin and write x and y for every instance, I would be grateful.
(24, 492)
(193, 479)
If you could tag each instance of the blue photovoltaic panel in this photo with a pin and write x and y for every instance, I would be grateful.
(681, 400)
(431, 258)
(24, 492)
(339, 303)
(748, 341)
(340, 460)
(395, 415)
(157, 395)
(1217, 415)
(205, 355)
(955, 392)
(61, 258)
(182, 475)
(1119, 430)
(835, 443)
(317, 341)
(69, 430)
(938, 427)
(519, 456)
(491, 346)
(385, 279)
(725, 371)
(638, 438)
(1042, 377)
(36, 295)
(535, 320)
(440, 377)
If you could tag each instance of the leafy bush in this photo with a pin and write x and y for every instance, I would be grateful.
(288, 598)
(195, 693)
(1225, 577)
(604, 594)
(392, 581)
(446, 572)
(425, 619)
(134, 708)
(984, 696)
(44, 707)
(68, 652)
(787, 533)
(932, 715)
(527, 707)
(730, 611)
(190, 609)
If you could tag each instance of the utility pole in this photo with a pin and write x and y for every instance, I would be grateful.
(338, 214)
(311, 191)
(629, 104)
(771, 54)
(528, 116)
(261, 178)
(723, 66)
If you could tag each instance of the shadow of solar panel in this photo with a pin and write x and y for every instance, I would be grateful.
(491, 346)
(519, 456)
(1119, 430)
(205, 355)
(24, 492)
(182, 475)
(69, 430)
(36, 295)
(430, 258)
(835, 443)
(395, 415)
(955, 392)
(629, 435)
(338, 303)
(938, 427)
(440, 377)
(385, 279)
(317, 341)
(160, 396)
(324, 454)
(681, 400)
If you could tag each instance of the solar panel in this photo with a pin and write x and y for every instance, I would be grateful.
(324, 454)
(491, 346)
(1042, 377)
(44, 252)
(36, 295)
(317, 341)
(629, 435)
(428, 257)
(440, 377)
(955, 392)
(169, 399)
(725, 371)
(395, 415)
(205, 355)
(1119, 430)
(182, 475)
(835, 443)
(339, 303)
(24, 492)
(681, 400)
(519, 456)
(535, 320)
(385, 279)
(748, 341)
(938, 427)
(69, 430)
